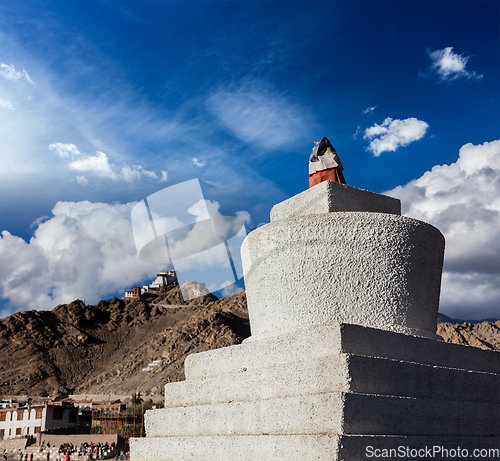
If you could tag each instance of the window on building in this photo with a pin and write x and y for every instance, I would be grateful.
(38, 414)
(19, 431)
(38, 429)
(58, 413)
(3, 416)
(2, 433)
(20, 415)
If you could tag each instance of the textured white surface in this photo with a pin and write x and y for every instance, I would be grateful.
(324, 447)
(330, 196)
(373, 269)
(236, 448)
(326, 341)
(343, 372)
(332, 413)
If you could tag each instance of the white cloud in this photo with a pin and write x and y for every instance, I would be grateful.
(244, 216)
(164, 176)
(369, 109)
(6, 104)
(65, 150)
(82, 180)
(393, 134)
(85, 250)
(10, 73)
(129, 174)
(463, 201)
(259, 116)
(147, 173)
(198, 162)
(98, 164)
(38, 221)
(450, 66)
(203, 209)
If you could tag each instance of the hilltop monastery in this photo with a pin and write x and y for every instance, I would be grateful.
(163, 279)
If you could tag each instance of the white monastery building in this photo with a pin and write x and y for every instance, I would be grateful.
(163, 279)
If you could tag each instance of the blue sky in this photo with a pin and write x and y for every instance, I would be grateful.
(103, 103)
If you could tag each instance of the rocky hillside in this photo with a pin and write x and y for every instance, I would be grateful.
(485, 335)
(103, 349)
(106, 349)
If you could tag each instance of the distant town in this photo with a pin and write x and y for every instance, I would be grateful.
(85, 427)
(49, 430)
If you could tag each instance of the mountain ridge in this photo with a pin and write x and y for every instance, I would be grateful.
(77, 348)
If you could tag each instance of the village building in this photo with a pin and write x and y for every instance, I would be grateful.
(135, 292)
(103, 409)
(21, 421)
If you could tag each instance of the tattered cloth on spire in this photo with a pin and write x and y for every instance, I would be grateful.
(323, 157)
(324, 164)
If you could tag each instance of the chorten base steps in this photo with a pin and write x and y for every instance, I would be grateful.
(336, 392)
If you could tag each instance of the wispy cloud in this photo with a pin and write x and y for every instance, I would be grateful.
(259, 116)
(369, 109)
(6, 104)
(245, 217)
(198, 162)
(129, 174)
(449, 66)
(82, 180)
(113, 121)
(130, 131)
(98, 164)
(10, 73)
(393, 134)
(463, 201)
(65, 150)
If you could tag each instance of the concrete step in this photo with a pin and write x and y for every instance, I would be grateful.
(336, 373)
(324, 447)
(307, 344)
(335, 413)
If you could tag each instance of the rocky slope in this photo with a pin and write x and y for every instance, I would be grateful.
(103, 349)
(485, 335)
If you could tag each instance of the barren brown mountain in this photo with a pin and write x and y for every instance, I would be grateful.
(106, 349)
(485, 335)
